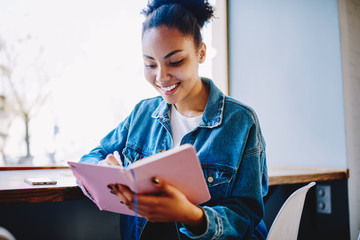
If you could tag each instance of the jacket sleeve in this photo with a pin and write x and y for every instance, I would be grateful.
(237, 216)
(114, 141)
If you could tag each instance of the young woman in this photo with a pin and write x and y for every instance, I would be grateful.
(190, 109)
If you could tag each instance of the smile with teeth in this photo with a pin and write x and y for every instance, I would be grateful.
(169, 88)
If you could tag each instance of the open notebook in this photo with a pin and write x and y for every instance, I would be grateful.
(179, 167)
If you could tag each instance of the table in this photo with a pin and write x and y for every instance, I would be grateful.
(280, 175)
(13, 189)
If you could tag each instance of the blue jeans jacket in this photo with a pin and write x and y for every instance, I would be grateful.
(231, 150)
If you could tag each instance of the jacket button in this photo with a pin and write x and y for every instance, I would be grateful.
(210, 179)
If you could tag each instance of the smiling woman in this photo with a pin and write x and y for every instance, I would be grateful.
(90, 62)
(191, 109)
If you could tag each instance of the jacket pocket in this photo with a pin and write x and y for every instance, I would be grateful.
(218, 179)
(132, 154)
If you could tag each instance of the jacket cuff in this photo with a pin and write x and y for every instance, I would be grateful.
(214, 226)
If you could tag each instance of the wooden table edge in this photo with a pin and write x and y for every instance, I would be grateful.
(38, 195)
(305, 178)
(68, 193)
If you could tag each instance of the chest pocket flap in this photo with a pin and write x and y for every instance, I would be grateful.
(133, 154)
(218, 179)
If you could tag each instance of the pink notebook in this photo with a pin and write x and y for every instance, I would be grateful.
(178, 166)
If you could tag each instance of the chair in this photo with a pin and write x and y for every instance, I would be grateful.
(5, 234)
(287, 221)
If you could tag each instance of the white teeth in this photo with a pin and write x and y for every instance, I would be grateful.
(166, 89)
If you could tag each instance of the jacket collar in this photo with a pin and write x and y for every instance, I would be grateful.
(214, 109)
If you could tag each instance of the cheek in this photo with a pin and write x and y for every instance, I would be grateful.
(183, 73)
(190, 68)
(187, 73)
(149, 76)
(178, 74)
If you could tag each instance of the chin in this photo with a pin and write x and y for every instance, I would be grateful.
(169, 100)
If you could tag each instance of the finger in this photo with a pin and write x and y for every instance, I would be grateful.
(163, 186)
(143, 210)
(129, 195)
(103, 163)
(111, 160)
(151, 213)
(120, 195)
(114, 189)
(122, 198)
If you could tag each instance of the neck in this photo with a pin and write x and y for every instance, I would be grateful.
(194, 105)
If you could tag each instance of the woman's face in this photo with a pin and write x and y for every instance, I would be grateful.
(171, 64)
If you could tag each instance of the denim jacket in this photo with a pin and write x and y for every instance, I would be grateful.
(231, 150)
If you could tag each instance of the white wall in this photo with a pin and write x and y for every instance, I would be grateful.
(349, 13)
(219, 42)
(285, 62)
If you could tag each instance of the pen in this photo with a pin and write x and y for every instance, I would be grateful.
(117, 157)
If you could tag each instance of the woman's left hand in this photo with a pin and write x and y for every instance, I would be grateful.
(168, 204)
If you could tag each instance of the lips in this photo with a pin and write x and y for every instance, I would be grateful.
(169, 88)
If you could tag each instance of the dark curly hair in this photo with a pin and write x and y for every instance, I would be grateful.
(188, 16)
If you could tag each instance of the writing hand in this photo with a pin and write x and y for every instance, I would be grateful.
(112, 159)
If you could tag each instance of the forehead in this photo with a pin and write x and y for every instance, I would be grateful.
(162, 40)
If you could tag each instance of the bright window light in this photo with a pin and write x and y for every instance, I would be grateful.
(77, 70)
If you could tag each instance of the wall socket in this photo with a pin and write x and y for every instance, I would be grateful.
(323, 199)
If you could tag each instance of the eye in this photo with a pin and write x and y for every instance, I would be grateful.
(151, 66)
(174, 64)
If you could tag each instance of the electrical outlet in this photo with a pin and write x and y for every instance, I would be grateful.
(323, 199)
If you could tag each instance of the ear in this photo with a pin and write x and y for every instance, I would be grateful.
(202, 53)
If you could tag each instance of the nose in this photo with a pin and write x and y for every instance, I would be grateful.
(162, 74)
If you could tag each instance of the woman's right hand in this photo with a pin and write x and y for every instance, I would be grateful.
(111, 159)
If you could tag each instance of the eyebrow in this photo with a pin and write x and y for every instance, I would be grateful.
(167, 56)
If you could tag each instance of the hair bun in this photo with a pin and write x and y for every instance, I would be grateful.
(201, 9)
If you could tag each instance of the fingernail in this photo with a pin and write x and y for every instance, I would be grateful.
(110, 187)
(121, 202)
(155, 180)
(117, 186)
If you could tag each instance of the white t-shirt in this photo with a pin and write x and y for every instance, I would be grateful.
(181, 125)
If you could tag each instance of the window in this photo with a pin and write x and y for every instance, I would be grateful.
(71, 70)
